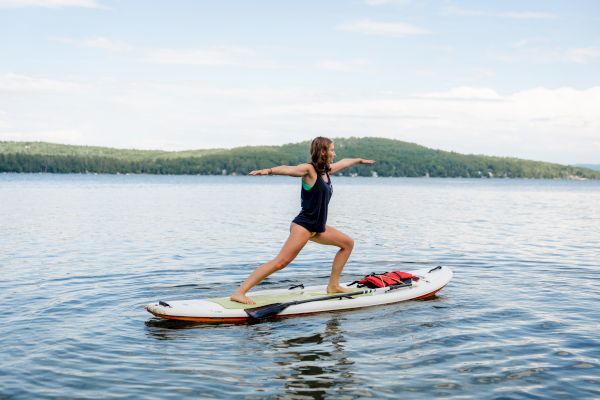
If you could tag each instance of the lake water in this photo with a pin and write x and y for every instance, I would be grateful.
(80, 255)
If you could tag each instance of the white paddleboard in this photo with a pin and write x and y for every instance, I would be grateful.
(431, 280)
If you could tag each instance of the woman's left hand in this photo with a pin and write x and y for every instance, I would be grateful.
(266, 171)
(362, 161)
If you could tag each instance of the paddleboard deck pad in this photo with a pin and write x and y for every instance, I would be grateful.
(223, 310)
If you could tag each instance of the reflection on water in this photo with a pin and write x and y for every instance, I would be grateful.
(308, 365)
(313, 365)
(316, 363)
(80, 256)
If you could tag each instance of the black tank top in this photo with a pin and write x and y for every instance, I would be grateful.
(315, 202)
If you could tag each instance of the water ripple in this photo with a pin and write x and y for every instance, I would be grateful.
(81, 255)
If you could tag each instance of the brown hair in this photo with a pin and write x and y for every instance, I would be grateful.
(318, 154)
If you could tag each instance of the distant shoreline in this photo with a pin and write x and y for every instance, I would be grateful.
(570, 179)
(394, 159)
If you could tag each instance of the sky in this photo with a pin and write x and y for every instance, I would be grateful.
(505, 78)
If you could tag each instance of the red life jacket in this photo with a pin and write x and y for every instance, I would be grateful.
(375, 281)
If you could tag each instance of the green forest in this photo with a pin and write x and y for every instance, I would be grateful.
(394, 158)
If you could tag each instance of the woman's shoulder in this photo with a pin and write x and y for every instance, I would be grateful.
(309, 169)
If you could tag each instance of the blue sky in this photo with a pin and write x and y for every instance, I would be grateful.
(508, 78)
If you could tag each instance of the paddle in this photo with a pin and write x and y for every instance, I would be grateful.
(270, 310)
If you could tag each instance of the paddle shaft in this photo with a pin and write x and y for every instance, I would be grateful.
(341, 295)
(274, 309)
(333, 296)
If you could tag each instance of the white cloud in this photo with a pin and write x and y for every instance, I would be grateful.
(65, 136)
(482, 73)
(531, 41)
(541, 50)
(463, 12)
(394, 29)
(386, 2)
(560, 125)
(583, 55)
(50, 3)
(17, 82)
(464, 94)
(96, 42)
(216, 56)
(343, 65)
(465, 104)
(3, 123)
(105, 44)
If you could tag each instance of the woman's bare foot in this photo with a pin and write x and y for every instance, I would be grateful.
(240, 298)
(339, 289)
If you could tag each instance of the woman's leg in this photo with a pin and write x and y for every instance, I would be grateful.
(333, 237)
(296, 241)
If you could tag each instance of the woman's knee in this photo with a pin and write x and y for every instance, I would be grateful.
(347, 244)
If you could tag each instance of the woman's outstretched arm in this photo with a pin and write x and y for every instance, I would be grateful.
(347, 163)
(298, 170)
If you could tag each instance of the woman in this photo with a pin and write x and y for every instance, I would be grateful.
(310, 224)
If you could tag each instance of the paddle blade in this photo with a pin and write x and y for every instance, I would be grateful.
(266, 311)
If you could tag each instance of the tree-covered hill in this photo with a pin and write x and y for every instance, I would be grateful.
(394, 158)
